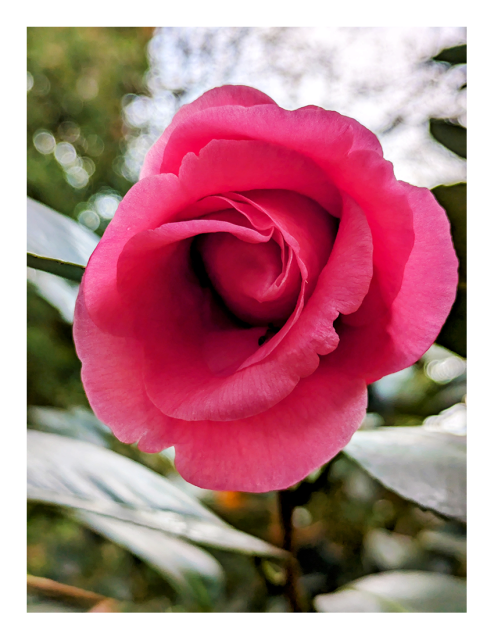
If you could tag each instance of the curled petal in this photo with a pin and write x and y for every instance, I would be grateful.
(427, 293)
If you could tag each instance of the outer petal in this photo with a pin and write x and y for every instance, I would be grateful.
(420, 309)
(112, 378)
(277, 448)
(371, 183)
(305, 131)
(218, 97)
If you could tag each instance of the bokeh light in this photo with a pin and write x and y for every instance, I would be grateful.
(443, 371)
(65, 154)
(77, 177)
(89, 219)
(106, 204)
(44, 142)
(69, 131)
(87, 87)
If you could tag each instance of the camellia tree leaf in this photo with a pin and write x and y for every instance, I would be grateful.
(197, 577)
(59, 292)
(53, 235)
(397, 592)
(78, 422)
(79, 475)
(420, 464)
(56, 267)
(453, 55)
(450, 135)
(454, 200)
(56, 244)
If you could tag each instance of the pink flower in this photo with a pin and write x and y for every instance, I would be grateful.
(266, 267)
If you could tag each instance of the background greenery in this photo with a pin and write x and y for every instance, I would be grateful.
(362, 514)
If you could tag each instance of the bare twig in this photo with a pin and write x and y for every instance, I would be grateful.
(67, 593)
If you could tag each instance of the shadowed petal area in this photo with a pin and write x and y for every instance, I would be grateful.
(246, 275)
(218, 97)
(277, 448)
(418, 312)
(175, 317)
(222, 167)
(112, 378)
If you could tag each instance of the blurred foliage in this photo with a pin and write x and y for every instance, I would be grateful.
(453, 136)
(53, 369)
(453, 55)
(346, 524)
(454, 200)
(79, 76)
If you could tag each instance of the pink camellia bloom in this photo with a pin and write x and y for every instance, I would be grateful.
(266, 267)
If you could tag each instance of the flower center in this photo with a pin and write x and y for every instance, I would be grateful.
(258, 282)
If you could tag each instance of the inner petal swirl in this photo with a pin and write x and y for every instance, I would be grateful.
(258, 282)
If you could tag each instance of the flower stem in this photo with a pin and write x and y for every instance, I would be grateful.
(293, 591)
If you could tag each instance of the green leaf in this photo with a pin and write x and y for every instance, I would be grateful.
(452, 136)
(77, 422)
(389, 550)
(454, 200)
(56, 267)
(59, 292)
(420, 464)
(56, 244)
(453, 55)
(53, 235)
(196, 576)
(454, 332)
(397, 592)
(80, 475)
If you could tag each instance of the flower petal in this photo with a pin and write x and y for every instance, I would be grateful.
(220, 96)
(275, 449)
(223, 166)
(428, 290)
(175, 317)
(148, 204)
(341, 287)
(112, 378)
(307, 131)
